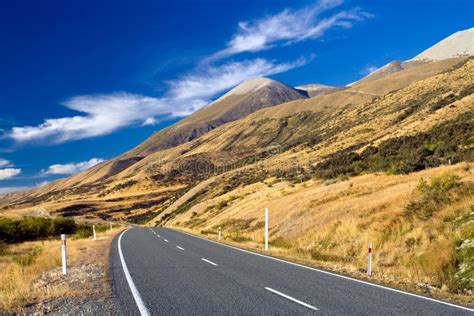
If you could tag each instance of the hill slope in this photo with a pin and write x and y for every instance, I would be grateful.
(246, 98)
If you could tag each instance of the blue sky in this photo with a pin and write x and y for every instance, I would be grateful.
(85, 81)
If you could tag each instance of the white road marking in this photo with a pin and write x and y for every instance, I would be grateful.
(330, 273)
(157, 235)
(136, 295)
(166, 240)
(208, 261)
(180, 248)
(291, 299)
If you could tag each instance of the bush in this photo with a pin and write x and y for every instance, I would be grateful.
(34, 228)
(3, 248)
(450, 142)
(440, 191)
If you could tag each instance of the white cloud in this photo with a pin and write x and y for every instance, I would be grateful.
(107, 113)
(8, 173)
(209, 81)
(4, 190)
(289, 26)
(72, 168)
(4, 163)
(150, 121)
(103, 114)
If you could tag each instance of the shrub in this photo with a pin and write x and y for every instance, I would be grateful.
(448, 142)
(440, 191)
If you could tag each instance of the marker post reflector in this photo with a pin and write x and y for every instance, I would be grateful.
(369, 260)
(64, 253)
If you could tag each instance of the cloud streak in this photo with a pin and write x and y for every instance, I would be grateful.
(212, 80)
(4, 163)
(106, 113)
(288, 27)
(71, 168)
(9, 173)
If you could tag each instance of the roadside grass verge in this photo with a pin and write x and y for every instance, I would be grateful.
(21, 264)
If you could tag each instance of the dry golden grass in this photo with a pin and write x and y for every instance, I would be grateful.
(17, 278)
(329, 224)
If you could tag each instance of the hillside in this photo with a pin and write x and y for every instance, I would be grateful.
(248, 97)
(298, 131)
(387, 160)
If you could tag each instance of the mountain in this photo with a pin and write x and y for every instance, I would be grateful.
(456, 45)
(246, 98)
(262, 121)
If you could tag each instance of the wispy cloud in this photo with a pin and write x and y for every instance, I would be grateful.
(107, 113)
(9, 173)
(151, 121)
(71, 168)
(4, 163)
(104, 114)
(289, 26)
(209, 81)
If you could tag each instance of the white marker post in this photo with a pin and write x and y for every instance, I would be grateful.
(110, 226)
(266, 229)
(63, 253)
(93, 230)
(369, 260)
(219, 233)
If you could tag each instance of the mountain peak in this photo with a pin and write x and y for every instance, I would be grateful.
(251, 85)
(458, 44)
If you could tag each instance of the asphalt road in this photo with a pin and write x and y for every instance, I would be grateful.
(159, 271)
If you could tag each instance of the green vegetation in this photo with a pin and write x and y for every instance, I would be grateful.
(450, 142)
(34, 228)
(441, 191)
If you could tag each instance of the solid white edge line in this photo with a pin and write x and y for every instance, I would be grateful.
(208, 261)
(329, 273)
(180, 248)
(292, 299)
(136, 295)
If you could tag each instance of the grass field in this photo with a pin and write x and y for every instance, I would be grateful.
(421, 225)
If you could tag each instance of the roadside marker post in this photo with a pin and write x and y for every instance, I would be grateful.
(266, 229)
(63, 253)
(369, 260)
(219, 233)
(110, 226)
(93, 230)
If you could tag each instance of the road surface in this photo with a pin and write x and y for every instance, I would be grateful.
(160, 271)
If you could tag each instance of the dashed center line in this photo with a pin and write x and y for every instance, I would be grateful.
(180, 248)
(208, 261)
(292, 299)
(157, 235)
(166, 240)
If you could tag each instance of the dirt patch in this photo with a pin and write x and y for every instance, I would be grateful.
(82, 279)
